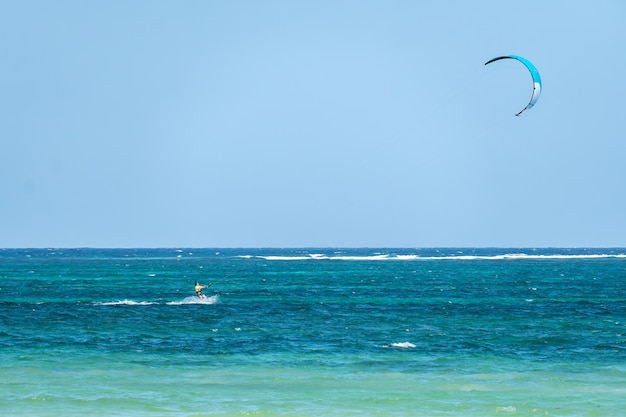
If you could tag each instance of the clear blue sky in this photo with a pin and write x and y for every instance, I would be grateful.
(319, 123)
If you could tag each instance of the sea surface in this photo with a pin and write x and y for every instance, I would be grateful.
(313, 332)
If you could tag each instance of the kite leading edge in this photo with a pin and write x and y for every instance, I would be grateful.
(533, 72)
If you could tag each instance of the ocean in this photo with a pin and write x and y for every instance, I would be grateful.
(313, 332)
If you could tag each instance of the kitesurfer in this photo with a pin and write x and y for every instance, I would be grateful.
(199, 289)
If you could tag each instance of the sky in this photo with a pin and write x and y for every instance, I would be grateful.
(326, 123)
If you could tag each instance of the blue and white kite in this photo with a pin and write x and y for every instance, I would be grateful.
(533, 72)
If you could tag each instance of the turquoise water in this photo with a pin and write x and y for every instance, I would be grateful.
(333, 332)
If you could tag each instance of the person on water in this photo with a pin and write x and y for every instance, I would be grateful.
(199, 289)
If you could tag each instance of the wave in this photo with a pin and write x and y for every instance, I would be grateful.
(403, 345)
(324, 257)
(188, 300)
(526, 256)
(214, 299)
(126, 303)
(416, 257)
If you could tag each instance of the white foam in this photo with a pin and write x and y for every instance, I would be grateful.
(318, 256)
(403, 345)
(126, 303)
(196, 300)
(287, 258)
(508, 409)
(416, 257)
(520, 256)
(381, 257)
(406, 257)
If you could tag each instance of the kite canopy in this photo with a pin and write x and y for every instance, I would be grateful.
(533, 72)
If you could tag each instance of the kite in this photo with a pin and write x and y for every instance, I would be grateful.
(533, 72)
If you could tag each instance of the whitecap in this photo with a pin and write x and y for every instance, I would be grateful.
(286, 258)
(196, 300)
(406, 257)
(403, 345)
(519, 256)
(508, 409)
(380, 257)
(126, 303)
